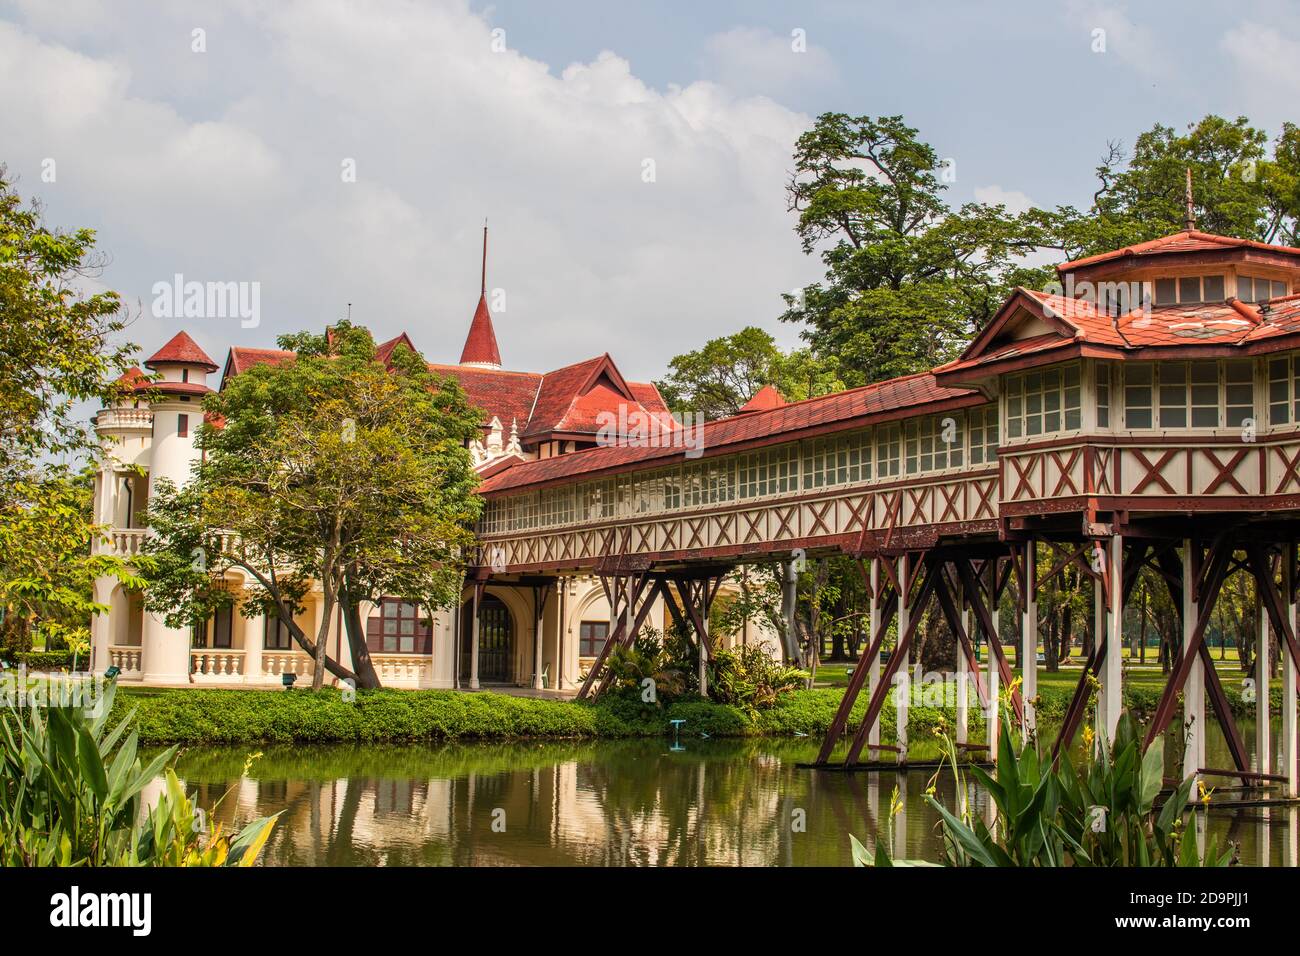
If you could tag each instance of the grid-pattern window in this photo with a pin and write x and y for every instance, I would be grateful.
(1256, 289)
(592, 636)
(1189, 394)
(888, 447)
(219, 628)
(837, 461)
(1044, 402)
(769, 472)
(1139, 385)
(1186, 290)
(398, 628)
(934, 443)
(983, 434)
(275, 634)
(1102, 383)
(1284, 390)
(1238, 392)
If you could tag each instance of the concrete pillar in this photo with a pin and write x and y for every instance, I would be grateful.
(1099, 633)
(101, 626)
(704, 644)
(873, 665)
(473, 643)
(166, 652)
(1194, 691)
(561, 629)
(790, 603)
(903, 680)
(254, 639)
(1113, 669)
(994, 716)
(1029, 637)
(1263, 745)
(538, 624)
(963, 677)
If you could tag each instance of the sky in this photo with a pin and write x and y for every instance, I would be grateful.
(630, 159)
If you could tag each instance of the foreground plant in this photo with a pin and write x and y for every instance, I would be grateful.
(1101, 814)
(70, 795)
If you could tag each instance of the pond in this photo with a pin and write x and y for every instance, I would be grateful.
(605, 803)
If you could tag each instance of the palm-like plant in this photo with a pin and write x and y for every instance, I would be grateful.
(70, 795)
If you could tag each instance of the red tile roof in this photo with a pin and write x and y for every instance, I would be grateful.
(507, 395)
(481, 343)
(1185, 241)
(895, 398)
(767, 397)
(181, 350)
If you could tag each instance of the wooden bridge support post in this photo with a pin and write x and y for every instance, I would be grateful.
(1263, 671)
(1290, 669)
(1028, 636)
(873, 665)
(1194, 688)
(903, 679)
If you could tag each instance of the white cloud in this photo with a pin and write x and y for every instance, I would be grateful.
(1137, 46)
(757, 60)
(1014, 200)
(225, 177)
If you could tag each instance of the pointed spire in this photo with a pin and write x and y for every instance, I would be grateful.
(1191, 208)
(481, 343)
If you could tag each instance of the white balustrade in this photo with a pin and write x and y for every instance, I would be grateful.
(127, 659)
(216, 665)
(279, 663)
(402, 670)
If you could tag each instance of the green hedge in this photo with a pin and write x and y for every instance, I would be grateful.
(238, 716)
(49, 660)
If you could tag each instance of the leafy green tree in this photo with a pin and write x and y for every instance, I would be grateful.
(908, 279)
(719, 378)
(1238, 188)
(58, 347)
(330, 469)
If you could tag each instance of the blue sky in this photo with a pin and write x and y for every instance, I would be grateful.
(225, 164)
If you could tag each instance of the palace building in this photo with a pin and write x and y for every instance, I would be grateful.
(1146, 414)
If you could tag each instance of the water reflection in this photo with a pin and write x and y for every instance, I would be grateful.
(612, 803)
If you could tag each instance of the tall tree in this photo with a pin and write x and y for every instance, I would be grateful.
(58, 347)
(908, 279)
(719, 378)
(331, 468)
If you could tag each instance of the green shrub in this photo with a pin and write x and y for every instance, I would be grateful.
(50, 660)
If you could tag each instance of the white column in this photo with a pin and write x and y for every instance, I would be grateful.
(1028, 636)
(254, 637)
(994, 716)
(101, 625)
(1263, 745)
(903, 678)
(1099, 629)
(1194, 691)
(873, 665)
(473, 644)
(1113, 669)
(963, 676)
(537, 641)
(166, 652)
(704, 645)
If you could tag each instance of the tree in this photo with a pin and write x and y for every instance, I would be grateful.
(908, 279)
(56, 350)
(331, 468)
(1238, 189)
(718, 379)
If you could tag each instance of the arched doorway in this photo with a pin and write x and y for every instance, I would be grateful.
(496, 642)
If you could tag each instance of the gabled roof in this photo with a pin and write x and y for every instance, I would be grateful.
(766, 398)
(242, 359)
(481, 343)
(384, 350)
(181, 350)
(1189, 240)
(571, 399)
(882, 401)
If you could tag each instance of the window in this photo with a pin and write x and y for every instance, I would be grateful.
(185, 375)
(183, 426)
(1284, 390)
(219, 627)
(1138, 381)
(837, 461)
(934, 443)
(399, 628)
(1040, 403)
(983, 434)
(592, 636)
(769, 472)
(887, 450)
(1239, 392)
(275, 634)
(1186, 290)
(1103, 395)
(1255, 289)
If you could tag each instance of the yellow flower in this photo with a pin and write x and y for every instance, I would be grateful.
(1087, 736)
